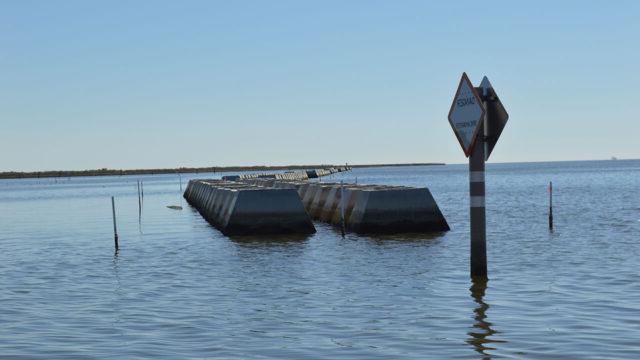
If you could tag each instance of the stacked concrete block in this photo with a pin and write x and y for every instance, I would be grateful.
(289, 176)
(323, 172)
(397, 209)
(308, 195)
(286, 203)
(231, 177)
(286, 176)
(320, 196)
(317, 173)
(294, 175)
(237, 208)
(372, 208)
(331, 205)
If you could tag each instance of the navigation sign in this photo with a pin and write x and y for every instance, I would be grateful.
(496, 116)
(467, 114)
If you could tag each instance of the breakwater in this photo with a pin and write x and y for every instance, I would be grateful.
(288, 203)
(366, 208)
(237, 208)
(289, 175)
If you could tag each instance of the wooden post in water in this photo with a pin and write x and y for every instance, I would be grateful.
(115, 229)
(180, 178)
(477, 211)
(550, 206)
(342, 201)
(141, 190)
(139, 199)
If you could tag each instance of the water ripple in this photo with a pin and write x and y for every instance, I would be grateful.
(179, 289)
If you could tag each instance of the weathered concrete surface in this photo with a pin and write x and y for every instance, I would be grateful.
(289, 175)
(367, 208)
(330, 202)
(317, 204)
(316, 173)
(241, 209)
(309, 195)
(372, 208)
(395, 210)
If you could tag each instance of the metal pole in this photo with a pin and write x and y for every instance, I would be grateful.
(115, 230)
(478, 231)
(550, 206)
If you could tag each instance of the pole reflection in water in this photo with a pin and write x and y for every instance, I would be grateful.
(480, 336)
(117, 297)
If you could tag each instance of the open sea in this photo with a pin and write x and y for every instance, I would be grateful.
(180, 289)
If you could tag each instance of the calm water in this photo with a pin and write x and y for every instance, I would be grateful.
(180, 289)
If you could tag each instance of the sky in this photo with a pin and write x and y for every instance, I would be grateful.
(150, 84)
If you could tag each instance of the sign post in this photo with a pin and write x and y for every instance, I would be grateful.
(477, 125)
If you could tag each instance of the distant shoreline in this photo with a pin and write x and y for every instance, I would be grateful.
(184, 170)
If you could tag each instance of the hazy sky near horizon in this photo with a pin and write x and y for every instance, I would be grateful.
(144, 84)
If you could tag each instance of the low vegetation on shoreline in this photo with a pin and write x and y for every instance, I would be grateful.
(182, 170)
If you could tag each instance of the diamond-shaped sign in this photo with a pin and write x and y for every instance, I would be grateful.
(466, 115)
(496, 116)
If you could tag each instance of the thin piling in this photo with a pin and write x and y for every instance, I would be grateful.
(139, 209)
(550, 206)
(342, 222)
(115, 229)
(139, 200)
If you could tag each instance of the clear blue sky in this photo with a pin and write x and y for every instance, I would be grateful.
(140, 84)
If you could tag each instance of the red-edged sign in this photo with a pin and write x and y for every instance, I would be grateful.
(467, 114)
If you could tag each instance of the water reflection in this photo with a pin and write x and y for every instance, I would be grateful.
(481, 335)
(381, 239)
(294, 240)
(117, 296)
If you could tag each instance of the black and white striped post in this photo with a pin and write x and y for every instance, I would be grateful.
(477, 118)
(477, 211)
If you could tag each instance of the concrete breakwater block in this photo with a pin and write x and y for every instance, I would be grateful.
(384, 209)
(237, 208)
(371, 208)
(292, 175)
(331, 205)
(320, 196)
(316, 173)
(289, 175)
(275, 183)
(394, 210)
